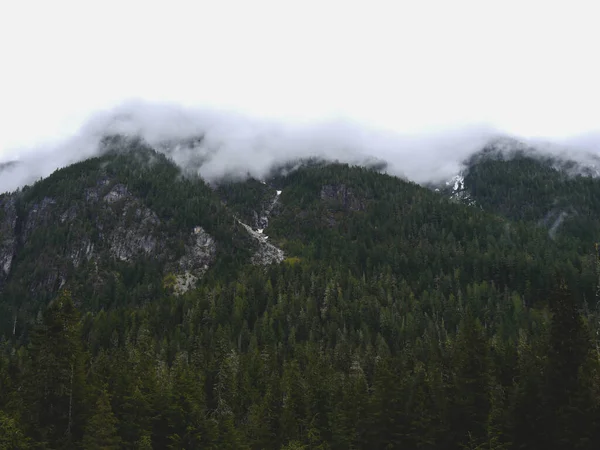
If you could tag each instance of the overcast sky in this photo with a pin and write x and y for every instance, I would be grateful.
(527, 67)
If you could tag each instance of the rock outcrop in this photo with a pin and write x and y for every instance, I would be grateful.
(8, 235)
(200, 253)
(342, 195)
(122, 229)
(267, 253)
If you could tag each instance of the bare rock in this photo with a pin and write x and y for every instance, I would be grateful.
(342, 195)
(118, 192)
(137, 238)
(8, 235)
(267, 253)
(200, 253)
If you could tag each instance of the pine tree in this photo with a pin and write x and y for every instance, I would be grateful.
(470, 400)
(386, 418)
(421, 428)
(349, 414)
(55, 386)
(11, 435)
(526, 422)
(185, 409)
(101, 429)
(265, 416)
(144, 442)
(134, 420)
(294, 411)
(569, 346)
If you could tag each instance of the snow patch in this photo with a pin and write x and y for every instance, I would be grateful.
(458, 190)
(263, 221)
(458, 182)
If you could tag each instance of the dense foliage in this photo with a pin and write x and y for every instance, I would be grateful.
(542, 190)
(398, 320)
(59, 218)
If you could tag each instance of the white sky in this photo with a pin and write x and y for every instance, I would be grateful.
(529, 67)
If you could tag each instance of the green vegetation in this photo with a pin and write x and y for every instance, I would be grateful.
(539, 190)
(399, 319)
(63, 217)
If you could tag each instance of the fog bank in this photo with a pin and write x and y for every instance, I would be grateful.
(237, 145)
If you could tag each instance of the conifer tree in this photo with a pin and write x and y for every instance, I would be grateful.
(55, 385)
(11, 435)
(470, 400)
(101, 429)
(568, 348)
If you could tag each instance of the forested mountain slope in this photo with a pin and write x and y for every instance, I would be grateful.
(525, 184)
(110, 229)
(399, 318)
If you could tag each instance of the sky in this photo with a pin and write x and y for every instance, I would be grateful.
(529, 68)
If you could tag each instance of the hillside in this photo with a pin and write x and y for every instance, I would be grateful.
(323, 307)
(527, 185)
(111, 229)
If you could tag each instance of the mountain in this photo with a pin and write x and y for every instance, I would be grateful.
(324, 306)
(120, 222)
(524, 183)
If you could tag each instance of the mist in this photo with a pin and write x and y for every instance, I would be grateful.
(347, 81)
(239, 146)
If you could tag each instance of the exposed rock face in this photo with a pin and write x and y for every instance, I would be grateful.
(342, 195)
(69, 215)
(185, 282)
(118, 192)
(81, 252)
(341, 199)
(122, 229)
(137, 238)
(200, 252)
(8, 235)
(262, 219)
(267, 253)
(38, 216)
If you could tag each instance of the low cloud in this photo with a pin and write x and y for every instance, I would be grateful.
(239, 146)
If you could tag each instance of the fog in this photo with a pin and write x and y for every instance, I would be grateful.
(237, 145)
(418, 84)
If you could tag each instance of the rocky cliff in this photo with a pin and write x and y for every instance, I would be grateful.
(116, 229)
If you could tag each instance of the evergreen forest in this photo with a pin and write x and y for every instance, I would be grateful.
(398, 318)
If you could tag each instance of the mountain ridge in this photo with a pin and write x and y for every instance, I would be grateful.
(327, 305)
(249, 203)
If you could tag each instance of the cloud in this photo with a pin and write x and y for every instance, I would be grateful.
(387, 65)
(237, 145)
